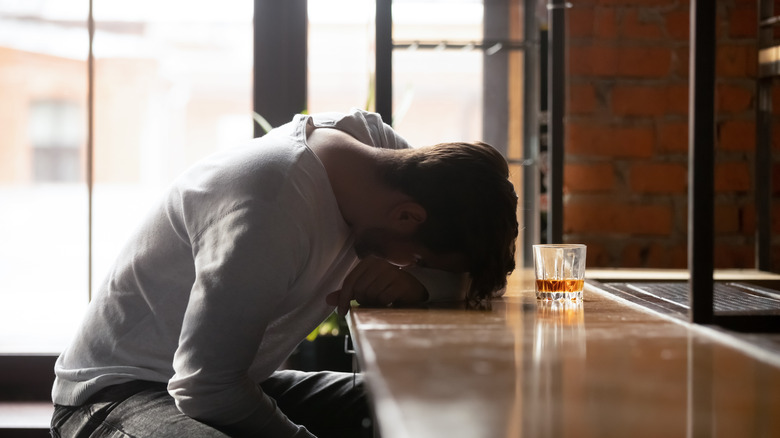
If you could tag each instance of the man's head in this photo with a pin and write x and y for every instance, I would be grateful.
(468, 213)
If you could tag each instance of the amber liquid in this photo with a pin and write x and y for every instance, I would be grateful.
(559, 285)
(559, 289)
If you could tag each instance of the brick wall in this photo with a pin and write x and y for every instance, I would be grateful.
(626, 176)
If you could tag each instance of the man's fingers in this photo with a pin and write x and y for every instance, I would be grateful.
(370, 286)
(376, 282)
(345, 295)
(355, 281)
(385, 297)
(343, 302)
(334, 299)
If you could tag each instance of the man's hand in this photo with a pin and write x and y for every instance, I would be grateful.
(375, 282)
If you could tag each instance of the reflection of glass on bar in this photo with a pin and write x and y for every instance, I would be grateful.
(560, 271)
(554, 381)
(560, 313)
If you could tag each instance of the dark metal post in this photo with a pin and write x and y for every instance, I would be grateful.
(495, 73)
(280, 60)
(701, 162)
(557, 93)
(384, 60)
(530, 199)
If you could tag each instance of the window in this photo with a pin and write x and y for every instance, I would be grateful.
(437, 93)
(172, 83)
(56, 135)
(43, 228)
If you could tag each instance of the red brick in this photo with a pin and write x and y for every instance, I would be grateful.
(737, 135)
(582, 99)
(652, 255)
(776, 98)
(748, 219)
(603, 140)
(775, 219)
(776, 179)
(633, 256)
(607, 60)
(678, 255)
(637, 100)
(732, 177)
(673, 137)
(776, 133)
(682, 62)
(677, 99)
(598, 177)
(734, 256)
(733, 98)
(592, 60)
(617, 218)
(743, 21)
(775, 256)
(727, 219)
(580, 22)
(658, 178)
(635, 3)
(597, 255)
(647, 62)
(605, 23)
(678, 24)
(735, 60)
(651, 220)
(637, 25)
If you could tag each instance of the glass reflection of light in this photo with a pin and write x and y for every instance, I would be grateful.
(558, 357)
(558, 322)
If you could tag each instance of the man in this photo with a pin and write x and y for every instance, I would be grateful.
(250, 250)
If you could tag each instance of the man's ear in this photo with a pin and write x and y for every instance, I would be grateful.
(408, 215)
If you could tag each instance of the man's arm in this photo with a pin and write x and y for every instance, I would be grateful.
(244, 263)
(442, 285)
(376, 282)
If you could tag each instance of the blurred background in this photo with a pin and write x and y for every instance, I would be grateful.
(173, 82)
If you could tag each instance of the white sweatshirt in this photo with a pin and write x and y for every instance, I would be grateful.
(225, 277)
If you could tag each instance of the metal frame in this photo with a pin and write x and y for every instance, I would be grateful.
(701, 169)
(531, 93)
(384, 95)
(280, 60)
(557, 104)
(383, 72)
(489, 45)
(495, 76)
(701, 150)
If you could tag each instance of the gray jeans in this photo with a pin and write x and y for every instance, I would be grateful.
(328, 404)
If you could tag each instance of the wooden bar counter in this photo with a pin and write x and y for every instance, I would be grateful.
(522, 368)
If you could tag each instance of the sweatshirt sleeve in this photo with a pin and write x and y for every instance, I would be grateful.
(245, 262)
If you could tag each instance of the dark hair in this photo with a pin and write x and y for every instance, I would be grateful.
(471, 206)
